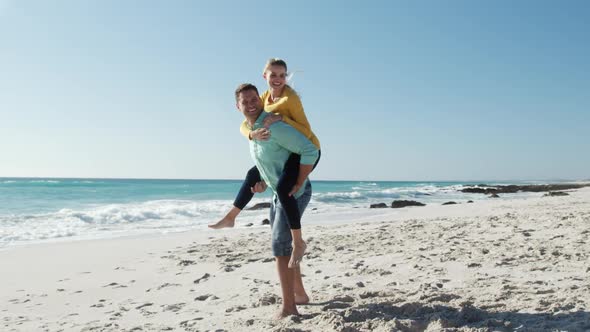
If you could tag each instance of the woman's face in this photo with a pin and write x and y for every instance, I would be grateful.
(276, 77)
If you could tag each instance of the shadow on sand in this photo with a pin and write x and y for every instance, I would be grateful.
(413, 317)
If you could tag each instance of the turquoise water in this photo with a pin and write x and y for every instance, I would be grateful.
(33, 210)
(33, 196)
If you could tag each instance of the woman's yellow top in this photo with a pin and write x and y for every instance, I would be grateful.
(290, 107)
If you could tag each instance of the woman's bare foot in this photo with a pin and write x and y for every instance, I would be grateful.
(226, 222)
(301, 299)
(297, 254)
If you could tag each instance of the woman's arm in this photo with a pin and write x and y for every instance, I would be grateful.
(261, 134)
(245, 130)
(296, 117)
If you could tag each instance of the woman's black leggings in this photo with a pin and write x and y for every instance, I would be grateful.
(286, 182)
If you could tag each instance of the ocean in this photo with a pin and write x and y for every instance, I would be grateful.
(34, 210)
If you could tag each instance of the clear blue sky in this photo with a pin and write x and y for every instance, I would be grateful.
(412, 90)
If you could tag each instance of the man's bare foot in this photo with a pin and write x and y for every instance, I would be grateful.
(301, 299)
(297, 254)
(286, 313)
(223, 223)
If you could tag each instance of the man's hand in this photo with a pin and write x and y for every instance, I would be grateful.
(295, 189)
(259, 187)
(261, 134)
(271, 118)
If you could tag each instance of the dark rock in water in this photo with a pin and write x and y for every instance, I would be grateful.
(378, 206)
(449, 203)
(266, 222)
(478, 190)
(249, 224)
(401, 203)
(469, 201)
(556, 193)
(314, 209)
(260, 206)
(510, 189)
(494, 196)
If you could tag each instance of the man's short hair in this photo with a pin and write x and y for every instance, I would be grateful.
(245, 87)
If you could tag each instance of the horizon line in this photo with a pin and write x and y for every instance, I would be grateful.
(333, 180)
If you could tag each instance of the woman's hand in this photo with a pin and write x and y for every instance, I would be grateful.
(261, 134)
(271, 118)
(259, 187)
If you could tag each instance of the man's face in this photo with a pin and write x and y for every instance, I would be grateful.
(249, 104)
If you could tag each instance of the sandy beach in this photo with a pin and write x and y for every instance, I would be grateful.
(494, 265)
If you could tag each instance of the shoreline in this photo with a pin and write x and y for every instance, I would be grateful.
(314, 215)
(494, 264)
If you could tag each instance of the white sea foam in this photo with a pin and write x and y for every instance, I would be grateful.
(361, 193)
(112, 220)
(123, 219)
(161, 216)
(338, 195)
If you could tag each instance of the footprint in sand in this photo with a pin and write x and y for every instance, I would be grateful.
(190, 324)
(336, 305)
(343, 298)
(174, 307)
(144, 305)
(266, 300)
(231, 267)
(168, 285)
(235, 309)
(205, 277)
(115, 285)
(186, 262)
(206, 297)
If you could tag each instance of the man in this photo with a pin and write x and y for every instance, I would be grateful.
(270, 157)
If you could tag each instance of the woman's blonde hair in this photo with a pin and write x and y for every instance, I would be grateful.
(274, 62)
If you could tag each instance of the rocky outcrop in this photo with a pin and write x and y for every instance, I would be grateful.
(556, 193)
(478, 190)
(511, 189)
(260, 206)
(402, 203)
(449, 203)
(378, 206)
